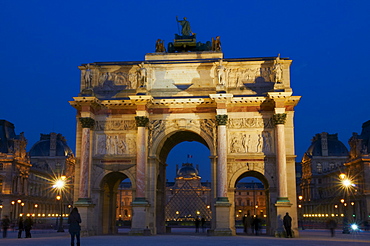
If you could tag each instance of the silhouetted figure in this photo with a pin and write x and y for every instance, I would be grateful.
(6, 223)
(248, 224)
(20, 227)
(331, 224)
(28, 223)
(256, 224)
(197, 222)
(74, 221)
(287, 221)
(203, 224)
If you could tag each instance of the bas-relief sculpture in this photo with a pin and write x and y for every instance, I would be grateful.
(238, 123)
(115, 125)
(115, 144)
(103, 82)
(247, 141)
(250, 142)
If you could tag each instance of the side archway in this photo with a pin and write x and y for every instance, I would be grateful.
(247, 200)
(108, 200)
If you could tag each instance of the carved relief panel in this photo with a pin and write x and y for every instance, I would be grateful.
(250, 135)
(109, 139)
(115, 144)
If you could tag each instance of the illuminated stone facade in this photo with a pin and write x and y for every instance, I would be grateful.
(242, 109)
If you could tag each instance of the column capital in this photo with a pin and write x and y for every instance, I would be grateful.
(279, 119)
(221, 119)
(141, 121)
(87, 122)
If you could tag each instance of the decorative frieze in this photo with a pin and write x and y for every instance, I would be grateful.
(141, 121)
(115, 125)
(239, 123)
(87, 122)
(279, 119)
(221, 119)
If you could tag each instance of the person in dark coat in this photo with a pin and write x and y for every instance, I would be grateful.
(6, 224)
(203, 224)
(256, 224)
(287, 222)
(27, 224)
(20, 227)
(74, 221)
(331, 224)
(197, 222)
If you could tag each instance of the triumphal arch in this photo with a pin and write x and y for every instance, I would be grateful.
(131, 114)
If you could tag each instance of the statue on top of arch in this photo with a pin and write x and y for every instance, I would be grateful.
(185, 40)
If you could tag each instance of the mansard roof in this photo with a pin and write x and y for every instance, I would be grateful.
(335, 147)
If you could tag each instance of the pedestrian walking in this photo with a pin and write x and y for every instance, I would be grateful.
(27, 224)
(331, 224)
(256, 225)
(74, 221)
(203, 224)
(287, 222)
(197, 222)
(20, 227)
(6, 224)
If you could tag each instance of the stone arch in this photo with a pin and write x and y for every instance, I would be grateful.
(162, 146)
(266, 181)
(201, 137)
(108, 196)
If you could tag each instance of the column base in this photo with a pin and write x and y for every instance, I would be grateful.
(139, 201)
(84, 202)
(284, 201)
(222, 223)
(221, 200)
(86, 208)
(139, 225)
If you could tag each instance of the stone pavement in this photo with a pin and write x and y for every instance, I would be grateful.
(182, 237)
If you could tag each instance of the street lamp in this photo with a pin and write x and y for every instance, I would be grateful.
(60, 185)
(346, 183)
(60, 227)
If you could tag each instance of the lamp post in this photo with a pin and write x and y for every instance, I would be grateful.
(300, 212)
(60, 185)
(346, 183)
(13, 211)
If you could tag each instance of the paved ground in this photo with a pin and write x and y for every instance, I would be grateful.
(187, 237)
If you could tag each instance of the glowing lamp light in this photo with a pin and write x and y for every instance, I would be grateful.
(354, 227)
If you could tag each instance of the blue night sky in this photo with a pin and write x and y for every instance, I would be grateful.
(42, 43)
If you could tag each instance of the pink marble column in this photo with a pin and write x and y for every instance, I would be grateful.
(86, 123)
(279, 121)
(222, 157)
(141, 157)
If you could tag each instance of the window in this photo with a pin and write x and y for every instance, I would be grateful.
(319, 168)
(331, 165)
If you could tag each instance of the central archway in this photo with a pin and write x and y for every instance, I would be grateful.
(166, 144)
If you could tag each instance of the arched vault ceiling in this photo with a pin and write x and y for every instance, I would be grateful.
(177, 138)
